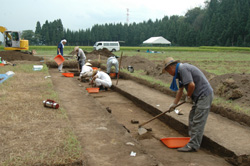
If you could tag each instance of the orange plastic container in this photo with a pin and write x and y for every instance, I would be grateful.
(112, 75)
(92, 90)
(175, 142)
(1, 64)
(95, 68)
(59, 59)
(68, 74)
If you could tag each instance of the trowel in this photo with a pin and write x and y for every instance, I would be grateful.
(142, 130)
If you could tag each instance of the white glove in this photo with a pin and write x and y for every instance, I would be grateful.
(172, 107)
(188, 99)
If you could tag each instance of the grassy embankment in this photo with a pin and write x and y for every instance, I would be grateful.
(32, 134)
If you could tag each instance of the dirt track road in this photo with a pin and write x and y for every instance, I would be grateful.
(104, 139)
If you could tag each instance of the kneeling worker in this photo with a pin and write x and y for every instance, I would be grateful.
(112, 61)
(86, 72)
(101, 79)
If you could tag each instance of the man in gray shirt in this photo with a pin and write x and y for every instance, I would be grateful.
(81, 58)
(199, 93)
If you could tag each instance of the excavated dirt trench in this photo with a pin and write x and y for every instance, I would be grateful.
(223, 111)
(125, 110)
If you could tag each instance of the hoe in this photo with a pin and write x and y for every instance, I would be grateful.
(142, 130)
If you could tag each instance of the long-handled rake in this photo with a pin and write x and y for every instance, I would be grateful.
(142, 130)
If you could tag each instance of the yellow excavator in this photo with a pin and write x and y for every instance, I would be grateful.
(13, 41)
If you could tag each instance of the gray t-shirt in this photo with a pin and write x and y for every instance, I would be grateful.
(81, 55)
(188, 73)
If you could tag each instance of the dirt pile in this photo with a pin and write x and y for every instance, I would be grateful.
(229, 89)
(233, 87)
(90, 57)
(229, 86)
(138, 63)
(149, 67)
(103, 52)
(18, 56)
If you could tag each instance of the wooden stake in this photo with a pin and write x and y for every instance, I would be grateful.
(99, 58)
(120, 63)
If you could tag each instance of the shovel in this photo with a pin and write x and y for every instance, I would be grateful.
(142, 130)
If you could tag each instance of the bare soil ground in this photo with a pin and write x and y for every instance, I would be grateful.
(77, 103)
(17, 56)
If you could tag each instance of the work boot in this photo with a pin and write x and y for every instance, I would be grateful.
(101, 88)
(82, 79)
(186, 149)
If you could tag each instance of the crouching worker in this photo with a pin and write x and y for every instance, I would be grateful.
(112, 61)
(86, 72)
(101, 79)
(199, 94)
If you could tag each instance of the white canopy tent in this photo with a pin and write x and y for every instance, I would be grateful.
(157, 40)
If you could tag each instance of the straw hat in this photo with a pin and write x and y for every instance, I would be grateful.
(168, 61)
(76, 48)
(88, 64)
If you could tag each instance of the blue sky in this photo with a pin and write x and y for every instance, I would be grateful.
(82, 14)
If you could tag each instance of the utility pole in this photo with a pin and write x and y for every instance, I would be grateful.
(127, 15)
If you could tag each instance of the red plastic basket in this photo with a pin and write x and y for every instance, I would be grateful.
(95, 68)
(59, 59)
(175, 142)
(92, 90)
(112, 75)
(68, 74)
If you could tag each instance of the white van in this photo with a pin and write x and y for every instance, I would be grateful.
(110, 45)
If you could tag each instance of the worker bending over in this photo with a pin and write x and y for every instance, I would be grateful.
(199, 94)
(101, 79)
(112, 61)
(80, 57)
(86, 72)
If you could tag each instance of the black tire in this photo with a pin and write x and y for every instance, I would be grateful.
(113, 50)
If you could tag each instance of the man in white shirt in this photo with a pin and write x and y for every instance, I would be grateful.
(101, 79)
(112, 61)
(86, 72)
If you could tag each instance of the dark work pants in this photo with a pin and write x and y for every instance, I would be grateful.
(81, 63)
(197, 120)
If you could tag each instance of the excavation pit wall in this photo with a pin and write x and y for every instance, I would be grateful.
(182, 128)
(231, 114)
(222, 136)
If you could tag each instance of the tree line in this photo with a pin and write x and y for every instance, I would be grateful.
(219, 23)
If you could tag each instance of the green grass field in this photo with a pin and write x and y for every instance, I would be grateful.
(216, 60)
